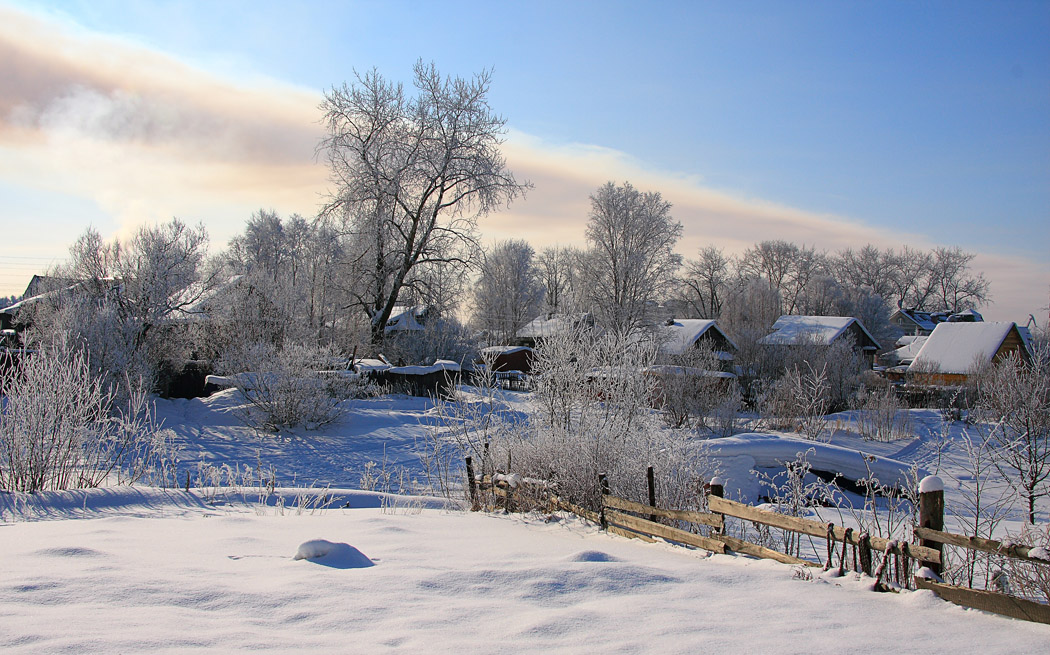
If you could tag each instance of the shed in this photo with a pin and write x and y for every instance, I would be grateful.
(822, 330)
(954, 350)
(684, 334)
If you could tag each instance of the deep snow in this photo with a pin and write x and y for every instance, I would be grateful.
(148, 570)
(166, 573)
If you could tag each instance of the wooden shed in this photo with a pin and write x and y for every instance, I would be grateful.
(954, 351)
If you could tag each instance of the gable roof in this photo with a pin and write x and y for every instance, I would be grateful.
(546, 325)
(802, 330)
(956, 347)
(681, 334)
(406, 318)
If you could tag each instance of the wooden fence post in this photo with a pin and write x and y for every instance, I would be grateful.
(865, 553)
(472, 484)
(603, 490)
(187, 481)
(717, 488)
(650, 478)
(931, 515)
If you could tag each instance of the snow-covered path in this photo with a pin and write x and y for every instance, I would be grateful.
(162, 576)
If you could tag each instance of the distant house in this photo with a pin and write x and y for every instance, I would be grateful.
(508, 358)
(679, 336)
(796, 331)
(920, 323)
(546, 325)
(405, 318)
(907, 348)
(954, 350)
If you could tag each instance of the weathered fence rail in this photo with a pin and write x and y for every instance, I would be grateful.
(989, 601)
(636, 520)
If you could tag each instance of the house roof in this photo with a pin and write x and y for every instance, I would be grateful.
(681, 334)
(545, 326)
(406, 319)
(801, 330)
(907, 352)
(957, 347)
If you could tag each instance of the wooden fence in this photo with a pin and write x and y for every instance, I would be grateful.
(707, 530)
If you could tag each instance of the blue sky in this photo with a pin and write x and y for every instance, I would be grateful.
(912, 123)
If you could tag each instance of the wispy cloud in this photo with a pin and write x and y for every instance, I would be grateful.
(146, 136)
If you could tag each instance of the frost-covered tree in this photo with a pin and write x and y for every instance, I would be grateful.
(707, 282)
(1014, 402)
(509, 292)
(124, 303)
(631, 262)
(411, 175)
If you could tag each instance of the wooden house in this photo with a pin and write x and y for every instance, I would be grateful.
(546, 325)
(800, 331)
(921, 323)
(954, 351)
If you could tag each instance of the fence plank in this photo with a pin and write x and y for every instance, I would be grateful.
(665, 532)
(989, 601)
(806, 526)
(755, 550)
(978, 543)
(630, 535)
(575, 509)
(713, 520)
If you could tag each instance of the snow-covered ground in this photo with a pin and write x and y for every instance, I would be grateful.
(147, 570)
(160, 571)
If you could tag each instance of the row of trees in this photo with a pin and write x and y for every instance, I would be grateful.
(630, 276)
(412, 173)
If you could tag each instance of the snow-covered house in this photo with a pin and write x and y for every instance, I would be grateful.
(679, 336)
(796, 331)
(955, 350)
(508, 358)
(920, 323)
(404, 318)
(546, 325)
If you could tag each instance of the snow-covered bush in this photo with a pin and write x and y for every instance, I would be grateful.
(1013, 409)
(1032, 579)
(60, 428)
(693, 393)
(287, 386)
(591, 415)
(798, 401)
(880, 416)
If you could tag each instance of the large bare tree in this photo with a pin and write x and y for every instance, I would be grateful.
(631, 262)
(509, 292)
(411, 177)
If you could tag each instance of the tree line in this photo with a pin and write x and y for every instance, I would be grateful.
(412, 172)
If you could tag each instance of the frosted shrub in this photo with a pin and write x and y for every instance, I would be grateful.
(798, 401)
(881, 416)
(1032, 579)
(286, 387)
(59, 428)
(591, 415)
(692, 395)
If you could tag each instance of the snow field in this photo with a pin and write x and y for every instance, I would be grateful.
(207, 580)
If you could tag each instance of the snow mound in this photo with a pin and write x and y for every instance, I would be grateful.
(335, 555)
(593, 556)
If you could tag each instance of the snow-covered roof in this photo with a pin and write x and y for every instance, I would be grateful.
(495, 351)
(957, 347)
(405, 319)
(545, 326)
(662, 369)
(1026, 337)
(683, 333)
(801, 330)
(906, 353)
